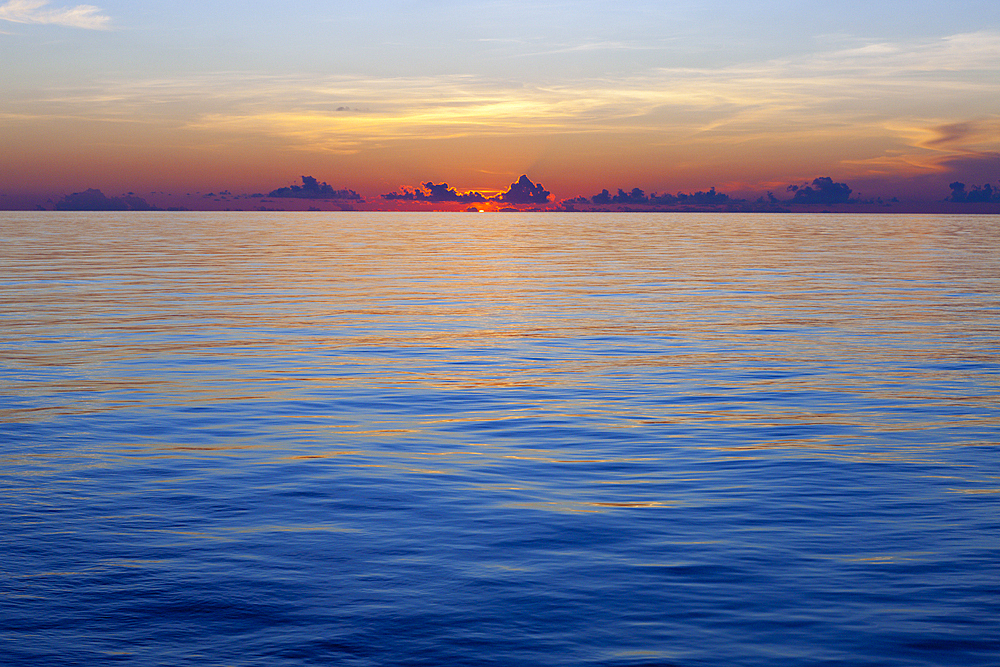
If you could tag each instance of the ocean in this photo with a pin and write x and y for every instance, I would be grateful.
(510, 439)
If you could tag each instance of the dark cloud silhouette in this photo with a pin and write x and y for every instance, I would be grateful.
(312, 189)
(601, 198)
(978, 193)
(435, 192)
(95, 200)
(710, 198)
(525, 192)
(634, 196)
(705, 201)
(978, 167)
(823, 191)
(637, 197)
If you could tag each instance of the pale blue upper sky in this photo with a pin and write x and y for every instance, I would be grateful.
(532, 41)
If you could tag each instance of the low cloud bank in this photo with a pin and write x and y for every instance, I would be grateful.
(312, 189)
(522, 191)
(95, 200)
(823, 191)
(637, 196)
(820, 194)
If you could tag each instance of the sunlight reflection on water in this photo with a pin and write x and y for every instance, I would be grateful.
(553, 439)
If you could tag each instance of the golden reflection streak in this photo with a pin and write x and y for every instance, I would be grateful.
(308, 528)
(325, 455)
(582, 506)
(618, 482)
(875, 560)
(546, 459)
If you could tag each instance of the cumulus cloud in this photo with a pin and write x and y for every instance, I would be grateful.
(522, 191)
(34, 11)
(435, 192)
(978, 193)
(823, 191)
(313, 189)
(525, 192)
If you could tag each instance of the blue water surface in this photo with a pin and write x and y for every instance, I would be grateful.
(499, 440)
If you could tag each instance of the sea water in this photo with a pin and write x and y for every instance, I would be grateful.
(499, 440)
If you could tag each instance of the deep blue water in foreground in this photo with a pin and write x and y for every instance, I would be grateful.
(491, 440)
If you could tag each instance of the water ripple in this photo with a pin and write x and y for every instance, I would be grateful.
(530, 439)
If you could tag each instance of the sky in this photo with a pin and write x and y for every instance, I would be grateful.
(894, 98)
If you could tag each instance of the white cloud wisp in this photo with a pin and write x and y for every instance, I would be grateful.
(33, 11)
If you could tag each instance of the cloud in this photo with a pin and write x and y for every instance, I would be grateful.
(822, 96)
(313, 189)
(95, 200)
(962, 52)
(878, 110)
(435, 192)
(31, 11)
(637, 197)
(522, 191)
(823, 191)
(950, 134)
(962, 137)
(892, 87)
(983, 193)
(962, 149)
(594, 46)
(525, 192)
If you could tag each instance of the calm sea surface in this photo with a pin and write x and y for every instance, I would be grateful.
(499, 440)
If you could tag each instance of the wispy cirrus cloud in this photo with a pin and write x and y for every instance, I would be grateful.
(879, 109)
(35, 11)
(911, 90)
